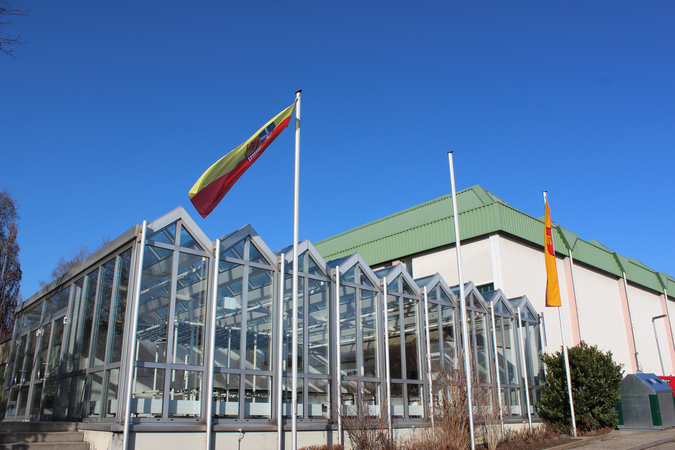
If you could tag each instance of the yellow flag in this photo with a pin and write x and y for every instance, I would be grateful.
(552, 288)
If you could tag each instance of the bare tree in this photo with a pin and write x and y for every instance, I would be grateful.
(7, 42)
(10, 267)
(65, 264)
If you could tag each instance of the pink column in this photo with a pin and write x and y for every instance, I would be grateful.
(669, 331)
(627, 324)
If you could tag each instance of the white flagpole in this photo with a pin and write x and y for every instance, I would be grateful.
(567, 361)
(465, 334)
(132, 345)
(280, 352)
(296, 201)
(212, 348)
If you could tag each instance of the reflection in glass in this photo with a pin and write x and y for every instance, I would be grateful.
(73, 322)
(190, 311)
(412, 341)
(287, 364)
(43, 349)
(397, 399)
(228, 315)
(319, 398)
(37, 398)
(449, 342)
(85, 326)
(415, 400)
(55, 352)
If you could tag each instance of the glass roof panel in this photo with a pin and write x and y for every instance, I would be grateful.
(527, 314)
(421, 282)
(187, 241)
(432, 294)
(254, 254)
(236, 251)
(488, 295)
(166, 235)
(393, 286)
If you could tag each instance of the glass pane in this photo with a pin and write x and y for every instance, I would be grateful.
(71, 397)
(313, 267)
(41, 368)
(186, 393)
(415, 400)
(364, 280)
(259, 319)
(166, 235)
(20, 349)
(94, 393)
(411, 322)
(318, 327)
(348, 331)
(349, 397)
(55, 352)
(510, 350)
(120, 307)
(190, 312)
(11, 405)
(369, 333)
(482, 354)
(236, 251)
(255, 256)
(49, 397)
(444, 297)
(349, 275)
(257, 397)
(28, 360)
(226, 395)
(287, 362)
(393, 286)
(37, 398)
(85, 326)
(31, 317)
(112, 393)
(23, 402)
(407, 289)
(394, 333)
(449, 342)
(319, 398)
(73, 320)
(153, 309)
(397, 401)
(287, 397)
(434, 338)
(57, 302)
(103, 312)
(148, 393)
(371, 398)
(228, 315)
(187, 241)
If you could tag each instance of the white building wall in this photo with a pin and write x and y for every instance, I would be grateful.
(601, 313)
(476, 264)
(644, 305)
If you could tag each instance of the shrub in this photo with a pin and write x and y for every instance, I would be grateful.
(596, 381)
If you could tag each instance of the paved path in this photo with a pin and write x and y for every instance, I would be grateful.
(625, 440)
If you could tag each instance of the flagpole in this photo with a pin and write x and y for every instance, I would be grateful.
(567, 361)
(296, 201)
(465, 334)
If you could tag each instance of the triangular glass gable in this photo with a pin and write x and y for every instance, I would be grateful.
(187, 241)
(365, 280)
(393, 286)
(349, 275)
(444, 296)
(312, 267)
(527, 315)
(166, 235)
(431, 294)
(236, 251)
(407, 289)
(254, 255)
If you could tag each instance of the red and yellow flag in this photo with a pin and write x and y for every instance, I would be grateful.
(552, 288)
(212, 186)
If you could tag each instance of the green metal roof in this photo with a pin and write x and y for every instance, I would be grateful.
(431, 224)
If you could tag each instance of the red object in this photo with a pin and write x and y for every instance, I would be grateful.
(670, 381)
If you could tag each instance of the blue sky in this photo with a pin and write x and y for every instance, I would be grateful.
(114, 109)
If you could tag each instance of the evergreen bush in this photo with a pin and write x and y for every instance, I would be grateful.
(596, 381)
